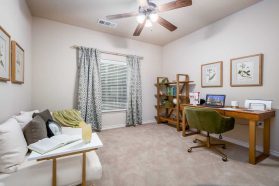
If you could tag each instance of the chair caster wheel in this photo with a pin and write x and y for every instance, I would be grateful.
(224, 146)
(195, 141)
(190, 150)
(225, 159)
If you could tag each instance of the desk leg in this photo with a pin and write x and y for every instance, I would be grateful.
(252, 142)
(54, 172)
(83, 169)
(183, 124)
(266, 137)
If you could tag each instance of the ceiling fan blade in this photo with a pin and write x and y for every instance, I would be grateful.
(174, 5)
(143, 3)
(119, 16)
(166, 24)
(139, 28)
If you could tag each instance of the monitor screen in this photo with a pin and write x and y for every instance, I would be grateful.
(215, 100)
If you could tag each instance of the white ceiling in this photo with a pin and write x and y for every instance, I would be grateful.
(85, 13)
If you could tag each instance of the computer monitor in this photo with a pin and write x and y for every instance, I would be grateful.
(213, 100)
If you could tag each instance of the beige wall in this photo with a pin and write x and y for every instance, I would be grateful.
(16, 20)
(53, 76)
(54, 66)
(250, 31)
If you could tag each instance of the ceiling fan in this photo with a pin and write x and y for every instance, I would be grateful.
(148, 13)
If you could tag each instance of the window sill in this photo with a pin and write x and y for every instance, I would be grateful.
(119, 110)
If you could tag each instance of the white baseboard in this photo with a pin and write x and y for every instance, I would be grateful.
(124, 125)
(245, 144)
(274, 153)
(113, 126)
(149, 121)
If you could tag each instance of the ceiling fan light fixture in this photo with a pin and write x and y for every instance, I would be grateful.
(141, 18)
(148, 23)
(153, 17)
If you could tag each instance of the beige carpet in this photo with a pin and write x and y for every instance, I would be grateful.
(156, 155)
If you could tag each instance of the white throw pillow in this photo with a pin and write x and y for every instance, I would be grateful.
(25, 117)
(29, 112)
(13, 147)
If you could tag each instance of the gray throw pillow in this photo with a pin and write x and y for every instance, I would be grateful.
(45, 115)
(35, 130)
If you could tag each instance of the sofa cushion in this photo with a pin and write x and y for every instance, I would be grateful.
(45, 115)
(72, 131)
(35, 130)
(13, 146)
(24, 117)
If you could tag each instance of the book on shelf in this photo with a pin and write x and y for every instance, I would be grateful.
(171, 91)
(49, 144)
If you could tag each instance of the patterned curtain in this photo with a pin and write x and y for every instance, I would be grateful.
(89, 87)
(134, 95)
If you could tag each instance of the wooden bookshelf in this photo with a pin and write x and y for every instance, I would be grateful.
(167, 111)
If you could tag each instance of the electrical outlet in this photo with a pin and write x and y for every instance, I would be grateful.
(260, 124)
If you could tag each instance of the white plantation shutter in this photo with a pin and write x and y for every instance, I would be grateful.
(114, 84)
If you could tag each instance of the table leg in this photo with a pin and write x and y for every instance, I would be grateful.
(266, 136)
(54, 172)
(83, 169)
(252, 142)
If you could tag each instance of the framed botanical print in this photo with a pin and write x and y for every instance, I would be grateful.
(17, 63)
(247, 71)
(5, 62)
(212, 74)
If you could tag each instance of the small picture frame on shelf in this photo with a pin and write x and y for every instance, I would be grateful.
(5, 59)
(17, 63)
(247, 71)
(212, 74)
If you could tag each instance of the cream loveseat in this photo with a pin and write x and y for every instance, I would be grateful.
(69, 170)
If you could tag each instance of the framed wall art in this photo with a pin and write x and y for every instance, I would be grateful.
(5, 62)
(247, 71)
(17, 63)
(212, 74)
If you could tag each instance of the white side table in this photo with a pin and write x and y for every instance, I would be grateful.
(77, 147)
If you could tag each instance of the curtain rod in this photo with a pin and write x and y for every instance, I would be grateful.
(107, 52)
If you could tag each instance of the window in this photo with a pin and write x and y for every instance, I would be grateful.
(114, 85)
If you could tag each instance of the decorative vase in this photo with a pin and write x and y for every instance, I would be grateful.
(174, 101)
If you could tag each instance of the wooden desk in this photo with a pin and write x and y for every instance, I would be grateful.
(253, 117)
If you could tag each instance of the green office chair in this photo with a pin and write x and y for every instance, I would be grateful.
(210, 121)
